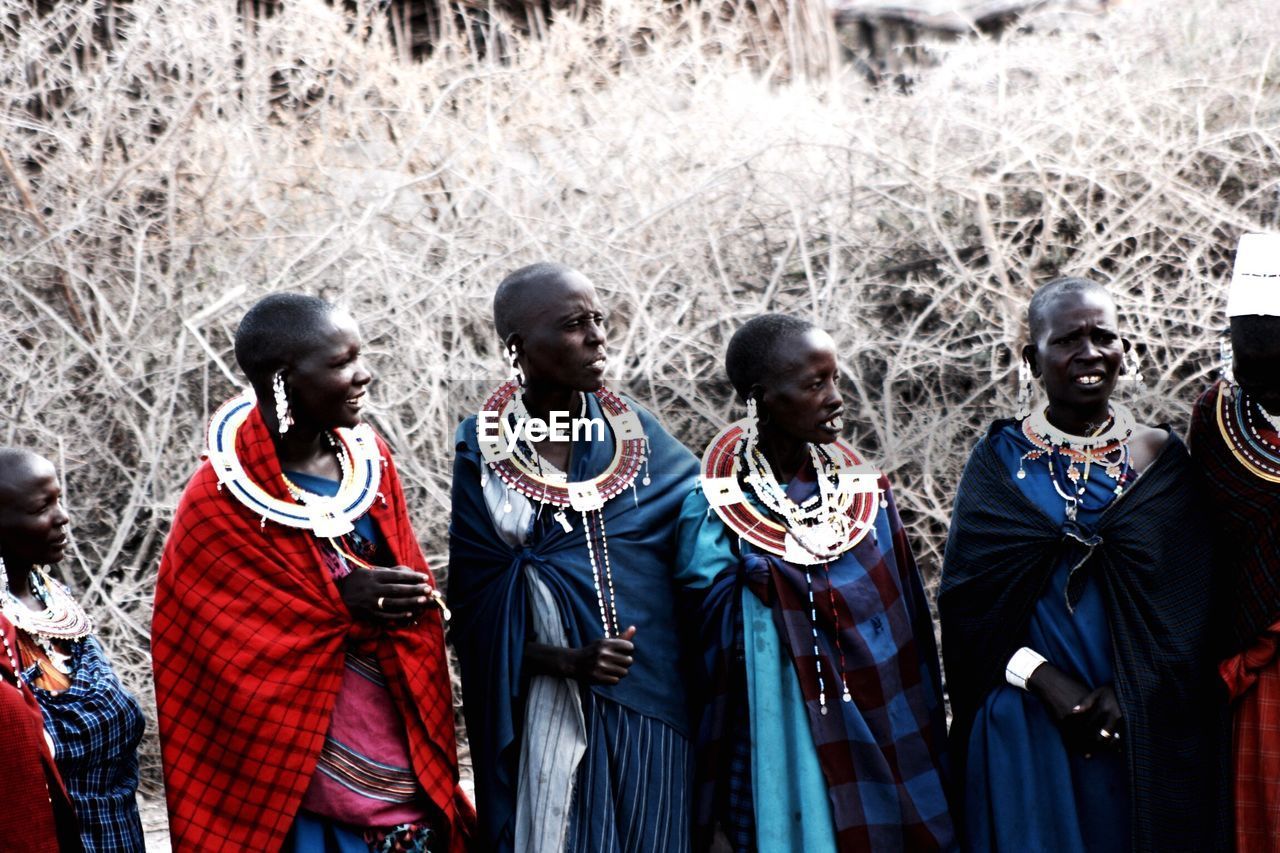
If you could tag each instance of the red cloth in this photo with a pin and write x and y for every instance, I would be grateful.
(1253, 680)
(248, 640)
(35, 810)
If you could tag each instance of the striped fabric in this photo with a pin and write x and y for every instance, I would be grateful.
(633, 792)
(555, 738)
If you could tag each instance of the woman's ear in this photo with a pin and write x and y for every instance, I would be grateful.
(1032, 357)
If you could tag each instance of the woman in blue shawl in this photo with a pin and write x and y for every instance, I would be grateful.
(824, 731)
(1075, 607)
(561, 556)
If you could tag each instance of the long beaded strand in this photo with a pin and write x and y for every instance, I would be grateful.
(601, 575)
(13, 662)
(817, 652)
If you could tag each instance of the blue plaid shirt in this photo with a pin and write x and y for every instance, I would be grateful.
(96, 725)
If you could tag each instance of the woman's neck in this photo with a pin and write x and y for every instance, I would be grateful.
(541, 400)
(306, 450)
(19, 575)
(1081, 422)
(786, 455)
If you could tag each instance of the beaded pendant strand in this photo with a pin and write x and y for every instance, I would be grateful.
(522, 469)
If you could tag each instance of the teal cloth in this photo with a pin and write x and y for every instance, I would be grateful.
(792, 811)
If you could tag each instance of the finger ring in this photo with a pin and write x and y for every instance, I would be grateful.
(381, 599)
(1104, 734)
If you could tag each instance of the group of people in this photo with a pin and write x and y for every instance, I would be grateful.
(661, 653)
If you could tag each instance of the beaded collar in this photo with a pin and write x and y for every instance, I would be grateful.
(1071, 458)
(522, 469)
(817, 531)
(63, 618)
(326, 517)
(519, 471)
(1250, 434)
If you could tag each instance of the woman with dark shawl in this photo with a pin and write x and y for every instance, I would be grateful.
(561, 556)
(1075, 614)
(1235, 443)
(36, 815)
(825, 729)
(301, 681)
(94, 723)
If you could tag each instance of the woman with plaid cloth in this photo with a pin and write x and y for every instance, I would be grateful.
(94, 724)
(1075, 613)
(301, 682)
(823, 730)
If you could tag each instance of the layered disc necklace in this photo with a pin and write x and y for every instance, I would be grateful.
(1251, 433)
(811, 533)
(836, 518)
(1072, 458)
(326, 517)
(62, 619)
(520, 467)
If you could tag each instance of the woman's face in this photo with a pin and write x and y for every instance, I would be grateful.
(33, 524)
(800, 397)
(563, 339)
(1079, 351)
(326, 384)
(1255, 344)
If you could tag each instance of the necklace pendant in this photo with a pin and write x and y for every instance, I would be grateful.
(1022, 474)
(563, 521)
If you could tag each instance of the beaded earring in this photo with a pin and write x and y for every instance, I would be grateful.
(514, 358)
(1024, 390)
(1226, 355)
(1133, 372)
(753, 420)
(284, 418)
(4, 579)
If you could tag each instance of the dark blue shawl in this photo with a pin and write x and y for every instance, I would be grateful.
(488, 596)
(1151, 555)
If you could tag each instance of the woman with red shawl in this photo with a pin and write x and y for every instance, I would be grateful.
(36, 815)
(302, 689)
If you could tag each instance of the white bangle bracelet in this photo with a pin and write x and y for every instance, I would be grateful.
(1024, 662)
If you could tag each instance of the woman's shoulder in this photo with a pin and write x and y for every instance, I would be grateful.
(1148, 443)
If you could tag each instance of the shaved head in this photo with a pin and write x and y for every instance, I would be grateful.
(15, 464)
(519, 293)
(1042, 301)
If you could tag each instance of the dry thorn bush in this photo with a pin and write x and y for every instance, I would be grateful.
(150, 192)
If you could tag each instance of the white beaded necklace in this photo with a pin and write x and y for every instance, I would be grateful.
(61, 619)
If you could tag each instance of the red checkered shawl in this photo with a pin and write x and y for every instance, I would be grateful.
(36, 815)
(248, 640)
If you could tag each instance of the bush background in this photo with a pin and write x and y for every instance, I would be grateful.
(701, 167)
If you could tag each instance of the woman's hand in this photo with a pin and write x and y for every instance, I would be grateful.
(1095, 723)
(1082, 715)
(387, 596)
(605, 661)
